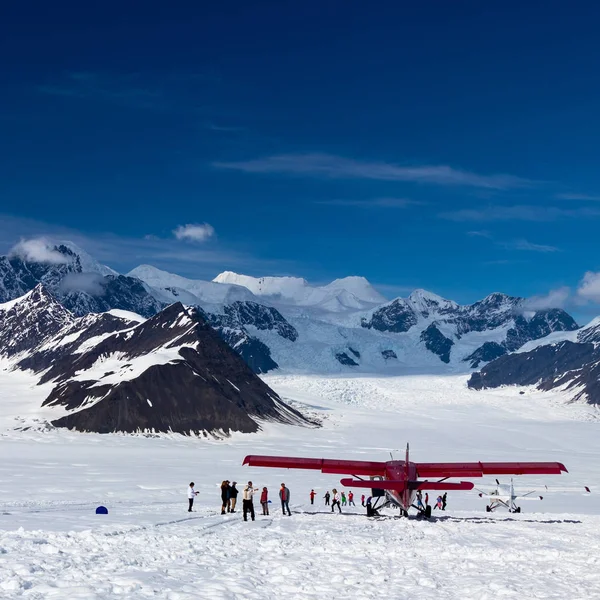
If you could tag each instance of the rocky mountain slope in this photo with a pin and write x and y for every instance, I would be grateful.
(285, 322)
(110, 372)
(565, 361)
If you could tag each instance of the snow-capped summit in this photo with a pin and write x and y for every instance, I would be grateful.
(426, 302)
(203, 292)
(353, 293)
(86, 261)
(288, 288)
(359, 287)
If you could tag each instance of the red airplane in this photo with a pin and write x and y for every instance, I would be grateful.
(399, 479)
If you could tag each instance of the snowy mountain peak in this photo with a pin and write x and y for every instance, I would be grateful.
(87, 262)
(425, 302)
(285, 287)
(359, 287)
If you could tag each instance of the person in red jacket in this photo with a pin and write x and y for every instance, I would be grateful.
(351, 498)
(284, 496)
(264, 501)
(312, 496)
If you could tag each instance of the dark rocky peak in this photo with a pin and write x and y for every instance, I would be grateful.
(97, 293)
(71, 338)
(487, 352)
(497, 301)
(169, 373)
(548, 366)
(262, 317)
(397, 317)
(436, 342)
(26, 323)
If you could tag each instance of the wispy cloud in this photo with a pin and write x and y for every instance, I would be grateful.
(339, 167)
(483, 234)
(557, 298)
(589, 288)
(373, 203)
(517, 244)
(39, 250)
(582, 197)
(194, 232)
(523, 244)
(518, 213)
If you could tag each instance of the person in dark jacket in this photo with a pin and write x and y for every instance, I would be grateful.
(233, 494)
(224, 497)
(327, 496)
(264, 501)
(284, 496)
(444, 499)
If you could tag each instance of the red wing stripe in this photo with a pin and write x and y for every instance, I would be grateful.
(339, 467)
(479, 469)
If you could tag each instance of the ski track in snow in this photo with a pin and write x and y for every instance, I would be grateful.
(52, 545)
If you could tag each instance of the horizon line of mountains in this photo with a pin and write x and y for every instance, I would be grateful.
(272, 323)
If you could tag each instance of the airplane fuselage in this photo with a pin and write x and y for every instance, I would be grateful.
(400, 470)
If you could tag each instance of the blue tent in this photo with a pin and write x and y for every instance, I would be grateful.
(102, 510)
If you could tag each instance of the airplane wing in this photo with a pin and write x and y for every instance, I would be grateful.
(325, 465)
(400, 485)
(479, 469)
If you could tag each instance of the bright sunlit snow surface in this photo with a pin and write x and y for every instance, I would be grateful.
(52, 545)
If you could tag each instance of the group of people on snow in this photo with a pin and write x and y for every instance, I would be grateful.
(335, 499)
(440, 502)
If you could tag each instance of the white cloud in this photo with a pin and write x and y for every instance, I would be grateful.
(589, 287)
(39, 250)
(194, 232)
(339, 167)
(553, 299)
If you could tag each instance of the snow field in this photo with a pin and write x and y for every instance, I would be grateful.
(52, 545)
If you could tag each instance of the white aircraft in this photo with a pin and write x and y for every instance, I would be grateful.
(505, 495)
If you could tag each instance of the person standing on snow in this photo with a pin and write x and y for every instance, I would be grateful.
(264, 500)
(248, 502)
(444, 499)
(420, 500)
(233, 494)
(312, 496)
(426, 499)
(351, 499)
(192, 493)
(284, 496)
(438, 503)
(362, 499)
(343, 498)
(327, 496)
(224, 497)
(335, 501)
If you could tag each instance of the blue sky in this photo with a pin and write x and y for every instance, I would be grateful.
(451, 146)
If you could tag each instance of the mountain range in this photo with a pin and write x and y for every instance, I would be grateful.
(118, 372)
(285, 322)
(151, 350)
